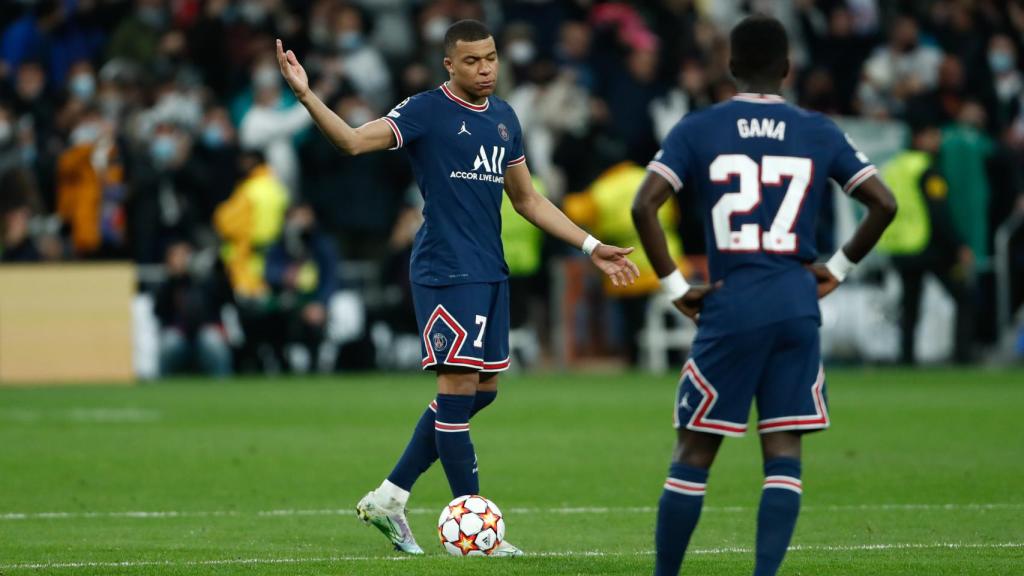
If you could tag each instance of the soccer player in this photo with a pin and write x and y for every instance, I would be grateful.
(465, 145)
(759, 168)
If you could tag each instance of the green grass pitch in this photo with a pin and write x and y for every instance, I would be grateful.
(921, 473)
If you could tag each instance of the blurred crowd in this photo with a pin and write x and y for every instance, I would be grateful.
(160, 132)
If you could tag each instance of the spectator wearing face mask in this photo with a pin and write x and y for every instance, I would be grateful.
(362, 64)
(897, 71)
(271, 125)
(91, 190)
(1007, 79)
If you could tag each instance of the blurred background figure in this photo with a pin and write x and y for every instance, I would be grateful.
(302, 273)
(188, 306)
(923, 240)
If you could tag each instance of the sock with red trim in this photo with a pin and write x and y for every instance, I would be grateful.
(776, 518)
(421, 451)
(678, 512)
(454, 448)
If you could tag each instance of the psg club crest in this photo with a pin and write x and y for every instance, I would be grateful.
(440, 342)
(503, 132)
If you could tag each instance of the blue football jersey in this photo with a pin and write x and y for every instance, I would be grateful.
(459, 153)
(759, 168)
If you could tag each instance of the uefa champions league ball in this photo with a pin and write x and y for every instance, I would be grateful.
(471, 526)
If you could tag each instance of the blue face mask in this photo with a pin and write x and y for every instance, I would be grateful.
(162, 150)
(83, 86)
(350, 41)
(1000, 62)
(213, 136)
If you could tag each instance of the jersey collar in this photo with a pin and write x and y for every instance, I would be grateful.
(474, 107)
(759, 98)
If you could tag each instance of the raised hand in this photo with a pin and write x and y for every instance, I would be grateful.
(612, 261)
(292, 71)
(826, 281)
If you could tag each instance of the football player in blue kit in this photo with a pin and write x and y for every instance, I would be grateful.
(759, 168)
(466, 147)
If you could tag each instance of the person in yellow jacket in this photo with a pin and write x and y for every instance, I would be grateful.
(923, 240)
(604, 209)
(249, 221)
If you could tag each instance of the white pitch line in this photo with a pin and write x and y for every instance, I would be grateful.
(563, 510)
(579, 554)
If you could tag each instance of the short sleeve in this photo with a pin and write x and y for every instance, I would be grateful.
(408, 120)
(673, 161)
(850, 167)
(517, 154)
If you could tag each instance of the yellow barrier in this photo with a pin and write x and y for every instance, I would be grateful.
(67, 324)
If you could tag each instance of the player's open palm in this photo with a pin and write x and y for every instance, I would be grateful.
(292, 71)
(693, 301)
(613, 261)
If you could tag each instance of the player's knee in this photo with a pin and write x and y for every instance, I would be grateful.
(780, 445)
(457, 381)
(696, 449)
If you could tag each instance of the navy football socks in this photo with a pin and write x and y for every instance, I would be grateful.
(776, 517)
(454, 448)
(421, 452)
(678, 512)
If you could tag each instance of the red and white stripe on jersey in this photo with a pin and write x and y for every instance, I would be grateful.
(433, 406)
(683, 487)
(440, 314)
(667, 173)
(785, 483)
(859, 178)
(759, 98)
(474, 107)
(398, 133)
(516, 162)
(699, 420)
(449, 427)
(819, 420)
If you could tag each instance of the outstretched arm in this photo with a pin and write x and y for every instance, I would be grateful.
(654, 191)
(546, 216)
(369, 137)
(881, 206)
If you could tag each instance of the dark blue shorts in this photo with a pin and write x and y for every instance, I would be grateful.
(464, 325)
(779, 364)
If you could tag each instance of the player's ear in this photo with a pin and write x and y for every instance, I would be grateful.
(732, 68)
(785, 68)
(448, 64)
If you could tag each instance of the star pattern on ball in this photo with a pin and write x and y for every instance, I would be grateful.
(466, 544)
(490, 520)
(457, 512)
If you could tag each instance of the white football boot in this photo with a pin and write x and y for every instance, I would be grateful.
(506, 550)
(389, 517)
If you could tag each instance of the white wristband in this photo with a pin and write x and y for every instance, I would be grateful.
(590, 244)
(674, 285)
(839, 265)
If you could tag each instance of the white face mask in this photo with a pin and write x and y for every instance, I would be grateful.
(521, 52)
(358, 116)
(5, 132)
(265, 77)
(435, 29)
(85, 134)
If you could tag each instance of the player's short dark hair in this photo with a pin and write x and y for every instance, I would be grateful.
(759, 49)
(465, 31)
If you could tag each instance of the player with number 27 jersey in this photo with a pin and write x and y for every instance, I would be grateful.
(760, 167)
